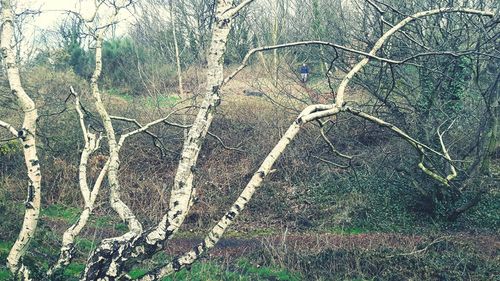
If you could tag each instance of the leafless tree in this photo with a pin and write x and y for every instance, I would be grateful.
(114, 257)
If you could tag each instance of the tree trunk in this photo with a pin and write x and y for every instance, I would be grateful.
(27, 137)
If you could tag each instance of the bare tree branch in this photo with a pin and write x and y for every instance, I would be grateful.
(9, 127)
(419, 146)
(385, 37)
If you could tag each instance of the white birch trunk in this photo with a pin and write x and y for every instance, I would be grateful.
(27, 137)
(183, 191)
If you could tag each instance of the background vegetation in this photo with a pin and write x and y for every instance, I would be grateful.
(380, 218)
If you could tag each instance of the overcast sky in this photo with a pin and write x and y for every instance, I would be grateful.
(53, 14)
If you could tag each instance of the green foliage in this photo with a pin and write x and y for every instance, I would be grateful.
(120, 58)
(5, 249)
(61, 212)
(73, 271)
(242, 271)
(10, 147)
(9, 226)
(362, 203)
(5, 274)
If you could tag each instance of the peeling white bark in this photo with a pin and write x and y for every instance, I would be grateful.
(27, 137)
(182, 195)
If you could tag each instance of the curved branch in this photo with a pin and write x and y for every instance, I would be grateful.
(394, 29)
(244, 62)
(233, 12)
(419, 146)
(9, 127)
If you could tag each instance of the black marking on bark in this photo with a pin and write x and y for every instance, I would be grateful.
(298, 121)
(197, 251)
(34, 162)
(262, 174)
(26, 146)
(176, 203)
(178, 213)
(176, 265)
(217, 102)
(244, 198)
(31, 196)
(231, 215)
(209, 108)
(225, 22)
(237, 207)
(22, 134)
(193, 169)
(211, 240)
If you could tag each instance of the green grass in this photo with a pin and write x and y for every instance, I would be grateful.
(241, 270)
(101, 222)
(4, 249)
(135, 273)
(117, 93)
(74, 270)
(266, 273)
(4, 274)
(160, 101)
(68, 214)
(85, 245)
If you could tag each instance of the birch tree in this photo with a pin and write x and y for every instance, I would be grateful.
(26, 135)
(114, 257)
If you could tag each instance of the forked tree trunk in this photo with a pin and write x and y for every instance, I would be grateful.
(108, 261)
